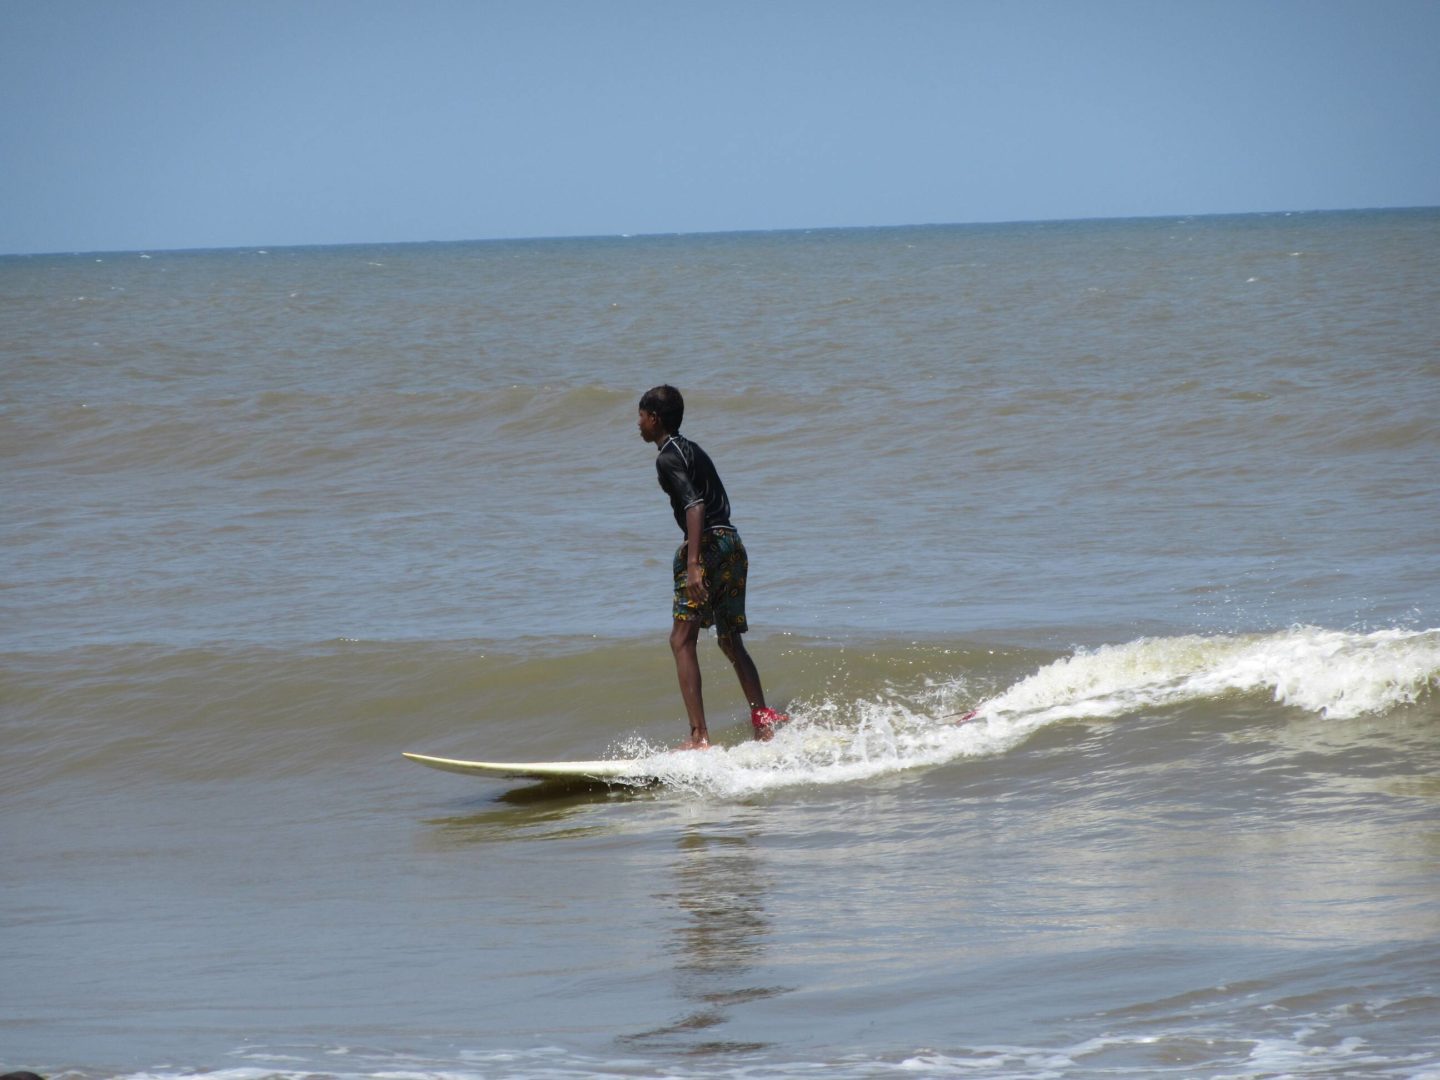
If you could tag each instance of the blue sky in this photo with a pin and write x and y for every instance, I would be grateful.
(153, 124)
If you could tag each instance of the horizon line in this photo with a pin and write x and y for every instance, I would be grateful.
(562, 237)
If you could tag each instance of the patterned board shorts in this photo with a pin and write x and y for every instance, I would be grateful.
(726, 565)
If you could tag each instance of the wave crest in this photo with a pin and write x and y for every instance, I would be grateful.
(1335, 673)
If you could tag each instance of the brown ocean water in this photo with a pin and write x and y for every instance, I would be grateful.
(1158, 496)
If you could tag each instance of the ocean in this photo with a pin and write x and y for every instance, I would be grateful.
(1157, 497)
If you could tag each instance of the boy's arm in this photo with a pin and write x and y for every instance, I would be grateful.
(694, 567)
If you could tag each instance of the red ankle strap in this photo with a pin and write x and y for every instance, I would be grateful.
(766, 718)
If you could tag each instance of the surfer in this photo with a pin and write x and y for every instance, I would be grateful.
(709, 567)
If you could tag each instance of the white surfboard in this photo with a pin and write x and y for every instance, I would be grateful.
(819, 744)
(609, 769)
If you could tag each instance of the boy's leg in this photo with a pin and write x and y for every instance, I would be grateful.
(763, 720)
(683, 635)
(733, 646)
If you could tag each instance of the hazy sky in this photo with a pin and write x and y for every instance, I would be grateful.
(150, 124)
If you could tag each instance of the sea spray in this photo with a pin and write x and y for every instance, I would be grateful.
(1335, 674)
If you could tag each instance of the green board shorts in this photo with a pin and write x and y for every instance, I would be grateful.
(726, 565)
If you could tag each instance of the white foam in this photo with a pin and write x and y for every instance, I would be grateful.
(1330, 672)
(1333, 673)
(1235, 1051)
(831, 744)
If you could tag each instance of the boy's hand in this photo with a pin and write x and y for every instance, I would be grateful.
(695, 589)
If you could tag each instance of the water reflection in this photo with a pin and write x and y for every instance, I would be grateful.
(552, 810)
(719, 945)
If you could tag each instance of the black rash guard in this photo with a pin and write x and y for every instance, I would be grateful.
(688, 476)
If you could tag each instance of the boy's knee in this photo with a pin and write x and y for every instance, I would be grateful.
(682, 636)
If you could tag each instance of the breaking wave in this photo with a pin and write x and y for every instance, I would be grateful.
(1337, 675)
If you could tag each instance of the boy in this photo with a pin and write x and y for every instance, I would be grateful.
(709, 567)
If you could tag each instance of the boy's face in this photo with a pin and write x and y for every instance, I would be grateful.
(649, 425)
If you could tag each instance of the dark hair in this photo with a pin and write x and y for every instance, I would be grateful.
(666, 403)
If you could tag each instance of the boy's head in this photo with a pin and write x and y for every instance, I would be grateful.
(667, 404)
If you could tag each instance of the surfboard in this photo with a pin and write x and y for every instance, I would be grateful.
(608, 769)
(658, 767)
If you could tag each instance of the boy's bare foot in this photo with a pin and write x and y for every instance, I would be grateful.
(693, 744)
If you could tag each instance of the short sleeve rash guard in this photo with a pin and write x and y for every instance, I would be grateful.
(688, 476)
